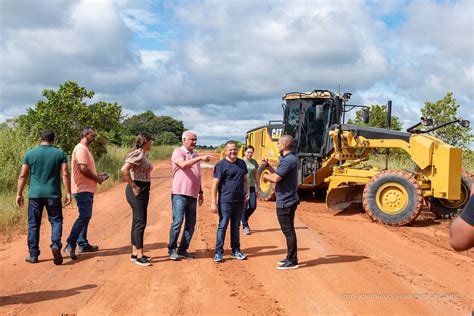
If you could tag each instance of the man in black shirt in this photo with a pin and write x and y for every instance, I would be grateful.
(232, 184)
(462, 228)
(286, 179)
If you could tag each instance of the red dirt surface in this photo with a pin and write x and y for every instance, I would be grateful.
(349, 265)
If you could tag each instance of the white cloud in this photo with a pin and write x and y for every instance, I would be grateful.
(230, 62)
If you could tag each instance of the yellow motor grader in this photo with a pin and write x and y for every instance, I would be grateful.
(330, 153)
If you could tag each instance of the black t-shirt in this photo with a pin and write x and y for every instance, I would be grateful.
(467, 213)
(286, 191)
(231, 180)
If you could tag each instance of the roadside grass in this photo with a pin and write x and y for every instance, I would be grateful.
(13, 219)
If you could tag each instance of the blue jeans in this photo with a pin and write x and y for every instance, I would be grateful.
(184, 208)
(249, 208)
(233, 212)
(55, 216)
(85, 201)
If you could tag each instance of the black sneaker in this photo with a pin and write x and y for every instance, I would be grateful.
(88, 248)
(70, 251)
(143, 261)
(183, 254)
(288, 266)
(31, 259)
(58, 259)
(134, 258)
(282, 261)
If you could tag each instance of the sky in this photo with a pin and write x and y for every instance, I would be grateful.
(222, 66)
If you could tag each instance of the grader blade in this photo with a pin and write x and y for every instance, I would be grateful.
(341, 198)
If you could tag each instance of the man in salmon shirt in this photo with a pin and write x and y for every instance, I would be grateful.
(84, 183)
(186, 192)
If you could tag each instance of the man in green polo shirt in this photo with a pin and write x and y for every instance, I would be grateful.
(44, 165)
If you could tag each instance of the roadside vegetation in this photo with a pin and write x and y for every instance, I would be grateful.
(65, 112)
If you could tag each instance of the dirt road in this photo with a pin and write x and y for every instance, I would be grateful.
(349, 265)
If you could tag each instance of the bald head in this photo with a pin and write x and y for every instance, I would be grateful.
(287, 142)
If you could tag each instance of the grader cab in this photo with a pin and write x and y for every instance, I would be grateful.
(330, 153)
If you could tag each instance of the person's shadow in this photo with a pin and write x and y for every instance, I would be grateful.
(331, 259)
(34, 297)
(274, 230)
(110, 252)
(261, 251)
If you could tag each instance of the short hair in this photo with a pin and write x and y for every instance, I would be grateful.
(187, 133)
(84, 131)
(230, 142)
(141, 140)
(47, 135)
(249, 147)
(288, 141)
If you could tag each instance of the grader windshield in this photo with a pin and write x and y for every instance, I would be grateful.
(307, 120)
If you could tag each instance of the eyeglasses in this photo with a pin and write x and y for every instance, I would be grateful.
(193, 139)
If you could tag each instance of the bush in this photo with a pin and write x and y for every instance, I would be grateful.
(468, 161)
(13, 146)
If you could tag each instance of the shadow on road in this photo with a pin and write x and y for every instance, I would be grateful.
(273, 230)
(261, 251)
(34, 297)
(112, 252)
(330, 259)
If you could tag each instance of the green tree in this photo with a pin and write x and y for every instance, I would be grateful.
(107, 117)
(141, 123)
(377, 118)
(167, 138)
(443, 111)
(65, 112)
(148, 122)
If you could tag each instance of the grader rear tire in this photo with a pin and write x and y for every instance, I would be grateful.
(393, 198)
(266, 189)
(448, 209)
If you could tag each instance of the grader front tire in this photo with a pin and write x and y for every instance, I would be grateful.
(393, 198)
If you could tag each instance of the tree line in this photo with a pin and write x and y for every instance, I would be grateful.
(65, 111)
(441, 111)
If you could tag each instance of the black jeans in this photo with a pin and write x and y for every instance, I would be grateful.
(250, 207)
(286, 218)
(139, 206)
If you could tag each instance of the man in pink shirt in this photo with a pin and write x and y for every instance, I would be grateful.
(84, 182)
(186, 192)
